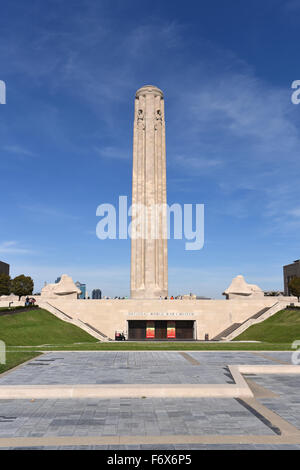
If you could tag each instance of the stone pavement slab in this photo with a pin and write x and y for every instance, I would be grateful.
(112, 367)
(287, 402)
(82, 420)
(154, 417)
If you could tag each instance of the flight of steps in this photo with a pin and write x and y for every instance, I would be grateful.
(84, 326)
(226, 332)
(237, 328)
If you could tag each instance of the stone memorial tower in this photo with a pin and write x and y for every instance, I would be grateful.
(149, 251)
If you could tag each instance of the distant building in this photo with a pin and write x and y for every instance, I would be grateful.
(4, 268)
(273, 293)
(82, 287)
(96, 294)
(289, 272)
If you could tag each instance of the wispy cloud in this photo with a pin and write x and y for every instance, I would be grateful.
(156, 33)
(292, 6)
(294, 212)
(242, 125)
(198, 163)
(12, 247)
(113, 153)
(18, 150)
(242, 107)
(47, 211)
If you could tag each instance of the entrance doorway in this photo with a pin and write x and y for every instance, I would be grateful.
(136, 330)
(160, 330)
(185, 329)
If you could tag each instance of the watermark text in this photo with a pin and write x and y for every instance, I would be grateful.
(152, 222)
(2, 92)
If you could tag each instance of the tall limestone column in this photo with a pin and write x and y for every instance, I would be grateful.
(149, 250)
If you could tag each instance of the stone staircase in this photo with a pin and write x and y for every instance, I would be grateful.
(105, 338)
(257, 318)
(226, 332)
(84, 326)
(237, 328)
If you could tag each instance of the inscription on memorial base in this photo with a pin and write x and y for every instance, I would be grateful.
(161, 314)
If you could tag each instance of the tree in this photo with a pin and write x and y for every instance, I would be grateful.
(5, 284)
(294, 287)
(22, 285)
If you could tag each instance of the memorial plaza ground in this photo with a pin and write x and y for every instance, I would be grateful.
(152, 400)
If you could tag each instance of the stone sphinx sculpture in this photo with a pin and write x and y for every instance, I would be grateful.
(65, 287)
(240, 288)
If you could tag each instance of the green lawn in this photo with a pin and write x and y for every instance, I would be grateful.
(33, 328)
(2, 309)
(283, 327)
(161, 346)
(38, 327)
(15, 358)
(12, 309)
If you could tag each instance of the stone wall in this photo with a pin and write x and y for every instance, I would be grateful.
(211, 316)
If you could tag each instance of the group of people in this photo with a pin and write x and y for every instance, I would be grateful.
(29, 302)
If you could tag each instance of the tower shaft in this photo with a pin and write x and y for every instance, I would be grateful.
(149, 252)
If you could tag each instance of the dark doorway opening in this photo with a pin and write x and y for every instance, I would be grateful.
(184, 329)
(136, 330)
(160, 330)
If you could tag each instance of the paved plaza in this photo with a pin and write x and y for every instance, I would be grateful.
(269, 420)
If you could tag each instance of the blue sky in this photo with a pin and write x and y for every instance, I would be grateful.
(233, 136)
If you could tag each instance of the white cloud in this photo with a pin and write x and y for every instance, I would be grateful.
(12, 247)
(244, 126)
(113, 153)
(294, 212)
(18, 150)
(159, 34)
(292, 6)
(47, 211)
(243, 107)
(198, 163)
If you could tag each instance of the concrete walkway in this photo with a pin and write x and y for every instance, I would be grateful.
(252, 402)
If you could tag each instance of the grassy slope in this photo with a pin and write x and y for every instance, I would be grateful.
(283, 327)
(33, 328)
(39, 327)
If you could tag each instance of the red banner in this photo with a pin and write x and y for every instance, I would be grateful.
(171, 330)
(150, 330)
